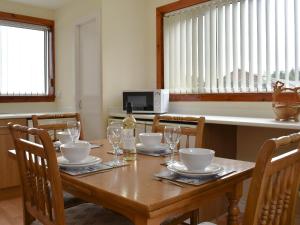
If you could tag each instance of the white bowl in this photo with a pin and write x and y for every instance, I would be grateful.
(196, 158)
(150, 139)
(75, 152)
(64, 137)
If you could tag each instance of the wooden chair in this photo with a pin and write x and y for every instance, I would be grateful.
(275, 184)
(55, 122)
(42, 188)
(196, 131)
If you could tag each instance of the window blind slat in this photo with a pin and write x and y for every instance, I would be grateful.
(182, 53)
(259, 46)
(243, 45)
(235, 47)
(287, 45)
(268, 48)
(220, 71)
(177, 54)
(189, 54)
(251, 45)
(194, 51)
(200, 53)
(228, 48)
(213, 49)
(297, 44)
(207, 51)
(277, 39)
(167, 50)
(172, 54)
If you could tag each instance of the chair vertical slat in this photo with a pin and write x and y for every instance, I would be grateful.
(267, 206)
(287, 194)
(47, 198)
(187, 145)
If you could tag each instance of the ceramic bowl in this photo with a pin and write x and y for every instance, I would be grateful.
(75, 152)
(196, 158)
(150, 139)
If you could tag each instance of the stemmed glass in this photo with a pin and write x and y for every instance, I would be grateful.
(114, 134)
(172, 136)
(74, 130)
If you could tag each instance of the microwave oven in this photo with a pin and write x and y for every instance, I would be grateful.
(147, 101)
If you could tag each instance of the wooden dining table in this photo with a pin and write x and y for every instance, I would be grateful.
(133, 192)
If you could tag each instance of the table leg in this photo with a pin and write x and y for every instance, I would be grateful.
(145, 221)
(233, 209)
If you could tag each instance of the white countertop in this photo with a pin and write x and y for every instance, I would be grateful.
(24, 115)
(231, 120)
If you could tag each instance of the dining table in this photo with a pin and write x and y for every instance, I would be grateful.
(134, 192)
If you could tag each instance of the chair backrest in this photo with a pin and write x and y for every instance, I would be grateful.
(55, 122)
(275, 183)
(40, 177)
(195, 130)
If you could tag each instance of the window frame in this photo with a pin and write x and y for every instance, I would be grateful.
(181, 4)
(51, 78)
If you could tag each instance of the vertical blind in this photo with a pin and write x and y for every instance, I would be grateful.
(231, 46)
(24, 60)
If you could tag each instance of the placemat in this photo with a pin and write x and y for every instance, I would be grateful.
(169, 175)
(155, 154)
(77, 171)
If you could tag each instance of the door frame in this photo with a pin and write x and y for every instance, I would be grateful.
(78, 23)
(83, 20)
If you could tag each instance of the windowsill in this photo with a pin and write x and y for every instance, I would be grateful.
(12, 99)
(238, 97)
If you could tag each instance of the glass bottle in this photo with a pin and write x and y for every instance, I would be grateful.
(129, 123)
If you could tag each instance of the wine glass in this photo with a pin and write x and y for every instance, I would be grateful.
(114, 134)
(172, 134)
(115, 123)
(74, 130)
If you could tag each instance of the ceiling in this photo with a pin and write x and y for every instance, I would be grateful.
(49, 4)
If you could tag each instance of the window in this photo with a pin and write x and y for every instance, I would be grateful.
(26, 58)
(228, 49)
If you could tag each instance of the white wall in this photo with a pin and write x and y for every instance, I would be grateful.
(251, 109)
(65, 19)
(124, 49)
(27, 10)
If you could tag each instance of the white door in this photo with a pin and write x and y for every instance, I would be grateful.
(88, 77)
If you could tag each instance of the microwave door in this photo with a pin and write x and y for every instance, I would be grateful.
(140, 101)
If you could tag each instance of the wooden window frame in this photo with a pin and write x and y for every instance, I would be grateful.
(160, 12)
(42, 22)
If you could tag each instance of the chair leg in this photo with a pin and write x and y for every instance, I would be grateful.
(195, 217)
(28, 219)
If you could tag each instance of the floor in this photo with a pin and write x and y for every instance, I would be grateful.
(11, 213)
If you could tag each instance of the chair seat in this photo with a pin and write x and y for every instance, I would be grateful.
(91, 214)
(70, 200)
